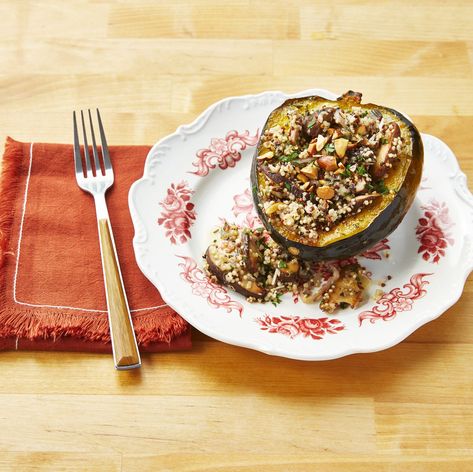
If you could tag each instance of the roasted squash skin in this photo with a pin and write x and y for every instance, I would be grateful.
(356, 233)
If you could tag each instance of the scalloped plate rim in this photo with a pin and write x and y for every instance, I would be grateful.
(425, 316)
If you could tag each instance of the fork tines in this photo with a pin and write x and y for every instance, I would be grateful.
(100, 165)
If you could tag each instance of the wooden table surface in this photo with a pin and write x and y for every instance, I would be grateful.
(151, 66)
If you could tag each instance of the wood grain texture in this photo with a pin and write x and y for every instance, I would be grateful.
(151, 66)
(125, 348)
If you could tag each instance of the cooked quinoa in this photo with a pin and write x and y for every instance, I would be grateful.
(256, 266)
(326, 165)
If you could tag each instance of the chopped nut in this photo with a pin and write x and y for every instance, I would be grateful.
(360, 186)
(341, 169)
(321, 142)
(293, 266)
(328, 163)
(353, 145)
(325, 192)
(302, 177)
(361, 130)
(273, 208)
(310, 171)
(340, 146)
(266, 155)
(312, 149)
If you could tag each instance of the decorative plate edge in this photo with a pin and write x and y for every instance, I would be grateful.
(463, 193)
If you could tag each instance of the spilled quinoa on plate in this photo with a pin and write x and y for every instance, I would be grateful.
(251, 263)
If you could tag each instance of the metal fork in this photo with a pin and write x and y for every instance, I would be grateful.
(96, 178)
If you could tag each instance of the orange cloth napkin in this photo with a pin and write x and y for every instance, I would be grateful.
(52, 295)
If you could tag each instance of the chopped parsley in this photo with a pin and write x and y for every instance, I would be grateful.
(361, 170)
(380, 187)
(312, 123)
(282, 264)
(278, 300)
(347, 172)
(383, 141)
(329, 148)
(290, 157)
(287, 185)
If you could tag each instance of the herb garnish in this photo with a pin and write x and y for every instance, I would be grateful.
(361, 170)
(329, 148)
(282, 264)
(290, 157)
(380, 187)
(278, 299)
(312, 123)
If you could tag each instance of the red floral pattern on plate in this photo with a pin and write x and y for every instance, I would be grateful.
(202, 286)
(292, 326)
(396, 301)
(433, 231)
(245, 208)
(374, 251)
(178, 213)
(224, 152)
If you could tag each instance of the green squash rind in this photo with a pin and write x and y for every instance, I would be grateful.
(379, 228)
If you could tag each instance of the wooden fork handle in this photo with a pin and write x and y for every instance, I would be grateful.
(125, 349)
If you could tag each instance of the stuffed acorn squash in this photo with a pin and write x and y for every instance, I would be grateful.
(331, 178)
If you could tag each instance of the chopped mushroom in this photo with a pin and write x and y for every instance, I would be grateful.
(261, 270)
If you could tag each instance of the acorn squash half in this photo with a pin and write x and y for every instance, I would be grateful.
(331, 178)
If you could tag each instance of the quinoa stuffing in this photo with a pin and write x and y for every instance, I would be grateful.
(326, 165)
(253, 264)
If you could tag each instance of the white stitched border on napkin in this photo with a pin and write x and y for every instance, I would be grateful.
(25, 199)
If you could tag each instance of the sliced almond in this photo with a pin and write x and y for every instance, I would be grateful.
(305, 186)
(325, 192)
(321, 142)
(302, 177)
(266, 155)
(310, 171)
(340, 146)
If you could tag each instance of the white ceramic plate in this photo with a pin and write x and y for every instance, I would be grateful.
(200, 174)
